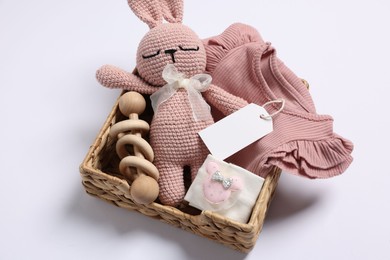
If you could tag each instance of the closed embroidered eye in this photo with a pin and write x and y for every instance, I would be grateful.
(151, 55)
(189, 49)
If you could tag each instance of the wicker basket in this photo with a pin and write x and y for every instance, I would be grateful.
(101, 178)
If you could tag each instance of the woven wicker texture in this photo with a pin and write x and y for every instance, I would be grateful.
(102, 179)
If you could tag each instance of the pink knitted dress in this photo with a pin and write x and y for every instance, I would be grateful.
(303, 142)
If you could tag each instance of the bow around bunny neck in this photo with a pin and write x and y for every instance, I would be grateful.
(194, 86)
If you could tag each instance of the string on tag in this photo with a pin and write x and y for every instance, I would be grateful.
(279, 100)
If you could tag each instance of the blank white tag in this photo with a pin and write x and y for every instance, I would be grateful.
(236, 131)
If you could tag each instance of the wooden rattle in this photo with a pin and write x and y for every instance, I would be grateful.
(144, 187)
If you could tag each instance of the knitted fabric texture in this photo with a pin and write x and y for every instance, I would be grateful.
(303, 142)
(174, 137)
(152, 12)
(173, 131)
(170, 43)
(176, 143)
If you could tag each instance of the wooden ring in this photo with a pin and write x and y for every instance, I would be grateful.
(136, 141)
(128, 125)
(145, 166)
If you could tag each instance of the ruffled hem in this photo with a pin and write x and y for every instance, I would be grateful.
(323, 155)
(311, 159)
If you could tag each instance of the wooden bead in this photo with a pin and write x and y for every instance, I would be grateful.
(132, 102)
(144, 189)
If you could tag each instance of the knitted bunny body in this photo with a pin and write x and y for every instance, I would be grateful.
(174, 137)
(175, 126)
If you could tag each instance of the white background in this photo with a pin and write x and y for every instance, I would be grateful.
(52, 108)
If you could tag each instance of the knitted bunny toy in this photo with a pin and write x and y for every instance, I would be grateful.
(172, 53)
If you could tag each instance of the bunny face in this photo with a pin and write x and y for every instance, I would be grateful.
(170, 43)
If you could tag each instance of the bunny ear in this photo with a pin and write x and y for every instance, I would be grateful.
(172, 10)
(149, 11)
(212, 167)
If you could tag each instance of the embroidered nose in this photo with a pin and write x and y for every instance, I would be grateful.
(171, 52)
